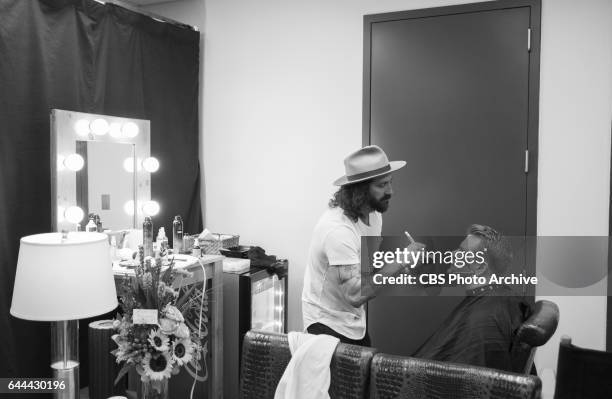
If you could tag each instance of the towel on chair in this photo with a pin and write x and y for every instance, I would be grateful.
(307, 375)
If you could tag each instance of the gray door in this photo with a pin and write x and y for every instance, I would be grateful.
(448, 90)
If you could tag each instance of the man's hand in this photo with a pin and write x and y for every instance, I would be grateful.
(415, 248)
(350, 277)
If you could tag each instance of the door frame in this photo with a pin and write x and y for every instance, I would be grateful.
(533, 84)
(609, 298)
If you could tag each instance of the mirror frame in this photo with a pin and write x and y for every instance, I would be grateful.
(64, 140)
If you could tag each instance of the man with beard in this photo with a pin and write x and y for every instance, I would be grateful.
(333, 297)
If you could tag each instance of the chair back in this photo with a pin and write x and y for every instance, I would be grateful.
(266, 355)
(401, 377)
(582, 373)
(534, 332)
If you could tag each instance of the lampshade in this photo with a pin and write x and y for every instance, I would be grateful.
(63, 279)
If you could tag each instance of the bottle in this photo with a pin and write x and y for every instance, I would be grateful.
(161, 236)
(156, 249)
(177, 235)
(196, 251)
(162, 243)
(91, 225)
(98, 223)
(163, 251)
(147, 236)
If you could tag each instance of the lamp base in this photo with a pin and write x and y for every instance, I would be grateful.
(70, 374)
(65, 357)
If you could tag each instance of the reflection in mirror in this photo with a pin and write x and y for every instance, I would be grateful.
(104, 185)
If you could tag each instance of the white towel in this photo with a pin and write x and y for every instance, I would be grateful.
(307, 375)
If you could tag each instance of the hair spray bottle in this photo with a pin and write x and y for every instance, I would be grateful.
(147, 236)
(177, 235)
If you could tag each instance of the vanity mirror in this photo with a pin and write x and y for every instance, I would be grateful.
(100, 165)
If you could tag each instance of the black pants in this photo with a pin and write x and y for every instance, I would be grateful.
(318, 328)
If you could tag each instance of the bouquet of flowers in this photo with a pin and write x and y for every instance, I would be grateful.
(177, 339)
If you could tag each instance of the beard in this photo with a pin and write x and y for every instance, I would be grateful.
(380, 205)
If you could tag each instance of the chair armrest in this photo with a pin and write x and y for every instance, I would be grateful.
(540, 326)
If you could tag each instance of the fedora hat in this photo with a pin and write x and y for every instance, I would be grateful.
(367, 163)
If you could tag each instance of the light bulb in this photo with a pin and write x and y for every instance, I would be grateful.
(81, 127)
(150, 164)
(74, 214)
(150, 208)
(128, 165)
(99, 127)
(128, 207)
(115, 130)
(74, 162)
(130, 130)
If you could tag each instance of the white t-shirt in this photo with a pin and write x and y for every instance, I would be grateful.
(336, 241)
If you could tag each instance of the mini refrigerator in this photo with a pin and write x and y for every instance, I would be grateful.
(255, 299)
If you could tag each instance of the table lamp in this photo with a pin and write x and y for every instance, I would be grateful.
(63, 277)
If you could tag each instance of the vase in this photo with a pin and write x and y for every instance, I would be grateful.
(154, 389)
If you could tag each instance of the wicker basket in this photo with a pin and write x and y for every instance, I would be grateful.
(211, 247)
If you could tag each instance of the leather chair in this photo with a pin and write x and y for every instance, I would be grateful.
(266, 355)
(534, 332)
(397, 377)
(582, 373)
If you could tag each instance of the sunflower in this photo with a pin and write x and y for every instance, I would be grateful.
(182, 350)
(158, 340)
(157, 366)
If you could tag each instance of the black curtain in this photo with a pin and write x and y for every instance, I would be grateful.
(88, 57)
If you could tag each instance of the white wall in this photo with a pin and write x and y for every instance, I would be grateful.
(574, 154)
(282, 107)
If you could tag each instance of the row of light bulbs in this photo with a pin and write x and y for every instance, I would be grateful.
(150, 164)
(101, 127)
(148, 208)
(75, 162)
(74, 214)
